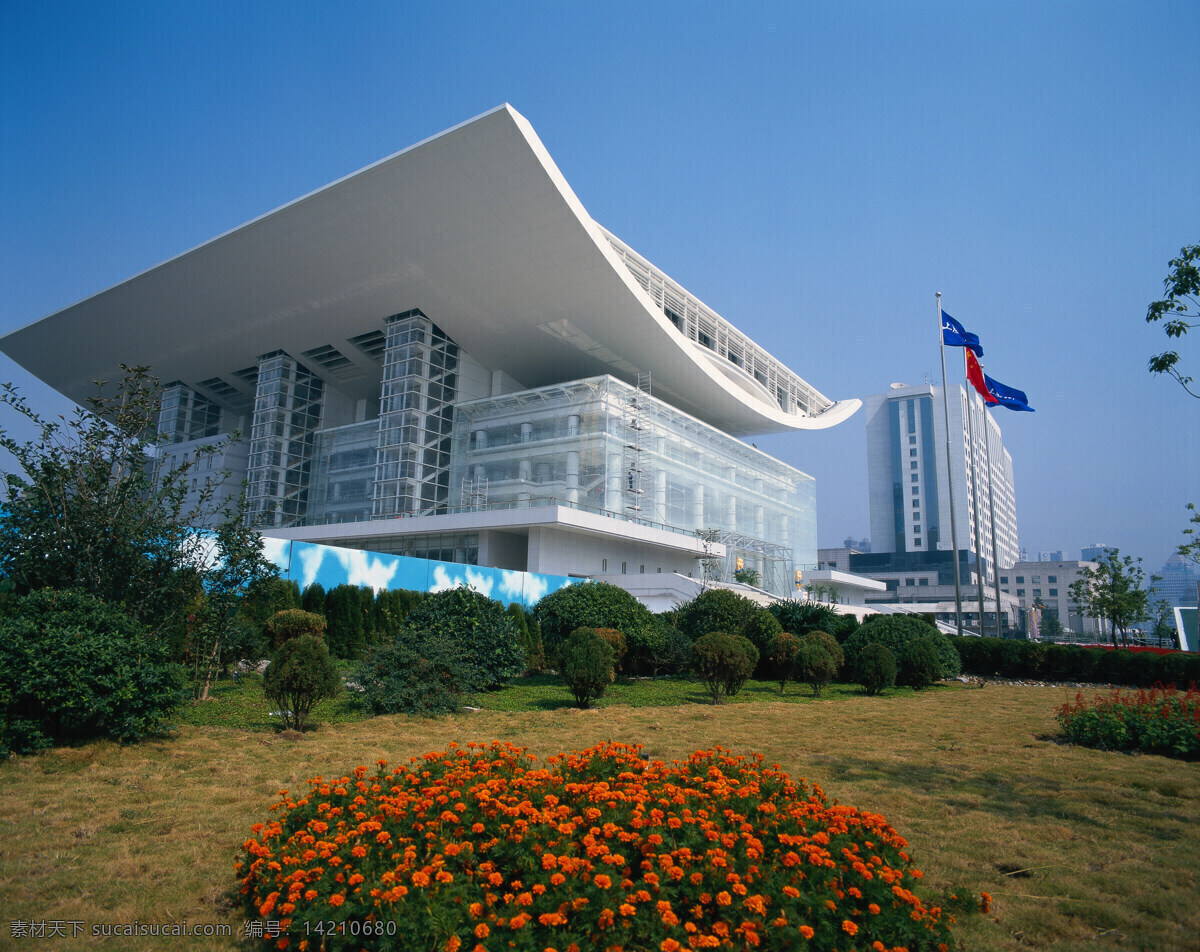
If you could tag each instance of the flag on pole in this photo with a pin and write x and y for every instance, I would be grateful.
(954, 334)
(1007, 396)
(975, 375)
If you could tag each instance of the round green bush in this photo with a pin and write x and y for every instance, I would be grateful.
(896, 631)
(396, 679)
(292, 623)
(921, 662)
(724, 661)
(875, 667)
(300, 674)
(814, 664)
(75, 668)
(716, 609)
(585, 662)
(784, 647)
(830, 644)
(593, 605)
(479, 630)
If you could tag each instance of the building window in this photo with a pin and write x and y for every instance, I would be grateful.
(1020, 593)
(1020, 579)
(1052, 578)
(624, 566)
(912, 465)
(914, 477)
(1054, 592)
(1037, 592)
(924, 581)
(908, 582)
(916, 517)
(912, 452)
(916, 529)
(1003, 579)
(917, 540)
(604, 565)
(1036, 579)
(916, 490)
(642, 570)
(912, 441)
(916, 503)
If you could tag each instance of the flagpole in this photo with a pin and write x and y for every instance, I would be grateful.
(987, 445)
(950, 475)
(975, 498)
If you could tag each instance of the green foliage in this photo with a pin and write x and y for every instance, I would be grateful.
(589, 605)
(715, 609)
(670, 652)
(897, 631)
(724, 661)
(313, 599)
(616, 641)
(830, 644)
(528, 637)
(73, 668)
(268, 595)
(1191, 549)
(397, 679)
(1161, 721)
(344, 621)
(802, 617)
(1051, 627)
(1178, 310)
(481, 633)
(1112, 591)
(921, 664)
(300, 674)
(747, 577)
(90, 507)
(243, 642)
(814, 664)
(292, 623)
(875, 667)
(586, 661)
(784, 647)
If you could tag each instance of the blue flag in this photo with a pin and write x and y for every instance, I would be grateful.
(1007, 396)
(955, 335)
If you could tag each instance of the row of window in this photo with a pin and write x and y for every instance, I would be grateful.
(1052, 579)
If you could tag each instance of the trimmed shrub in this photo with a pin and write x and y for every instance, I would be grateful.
(921, 663)
(589, 605)
(831, 645)
(616, 641)
(783, 657)
(665, 821)
(724, 661)
(344, 621)
(396, 679)
(716, 609)
(292, 623)
(802, 617)
(814, 664)
(585, 662)
(480, 634)
(671, 651)
(875, 667)
(300, 674)
(896, 631)
(73, 668)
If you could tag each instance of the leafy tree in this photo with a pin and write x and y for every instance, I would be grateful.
(1112, 592)
(1052, 628)
(747, 577)
(802, 617)
(90, 505)
(591, 605)
(1191, 548)
(399, 679)
(784, 648)
(1178, 310)
(300, 674)
(479, 631)
(585, 661)
(875, 667)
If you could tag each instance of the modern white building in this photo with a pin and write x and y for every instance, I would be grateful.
(443, 355)
(907, 480)
(1041, 586)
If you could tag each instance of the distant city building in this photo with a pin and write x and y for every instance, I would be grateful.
(1046, 585)
(1050, 556)
(908, 484)
(859, 545)
(1178, 582)
(1095, 552)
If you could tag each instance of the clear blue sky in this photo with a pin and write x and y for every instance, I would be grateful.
(813, 172)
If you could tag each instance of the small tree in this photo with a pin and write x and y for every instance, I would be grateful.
(875, 668)
(783, 656)
(724, 661)
(1112, 592)
(300, 674)
(585, 662)
(814, 664)
(1179, 310)
(921, 662)
(293, 623)
(1052, 628)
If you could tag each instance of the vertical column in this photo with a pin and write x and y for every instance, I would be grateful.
(613, 489)
(573, 474)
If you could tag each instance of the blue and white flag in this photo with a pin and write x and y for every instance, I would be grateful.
(1007, 396)
(955, 335)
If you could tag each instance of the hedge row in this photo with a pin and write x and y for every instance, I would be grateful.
(1031, 660)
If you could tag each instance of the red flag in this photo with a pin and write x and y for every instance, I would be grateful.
(975, 375)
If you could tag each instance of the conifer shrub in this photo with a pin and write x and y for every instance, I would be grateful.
(921, 662)
(724, 662)
(670, 652)
(300, 674)
(74, 668)
(802, 617)
(875, 667)
(586, 662)
(784, 647)
(313, 599)
(398, 679)
(292, 623)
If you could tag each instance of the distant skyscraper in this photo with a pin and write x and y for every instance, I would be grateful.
(1095, 552)
(859, 545)
(1050, 556)
(1178, 582)
(906, 474)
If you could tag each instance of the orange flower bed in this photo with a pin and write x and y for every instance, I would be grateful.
(483, 849)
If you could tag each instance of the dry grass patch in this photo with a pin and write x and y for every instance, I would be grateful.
(1078, 847)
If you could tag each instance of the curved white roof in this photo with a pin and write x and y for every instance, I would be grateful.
(478, 229)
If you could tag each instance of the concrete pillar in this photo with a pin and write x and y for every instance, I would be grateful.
(573, 425)
(698, 507)
(481, 439)
(573, 473)
(524, 468)
(612, 484)
(526, 432)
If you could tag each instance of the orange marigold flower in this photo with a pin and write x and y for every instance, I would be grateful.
(985, 904)
(873, 909)
(806, 931)
(336, 899)
(454, 944)
(557, 879)
(482, 931)
(723, 898)
(476, 909)
(602, 881)
(670, 945)
(849, 927)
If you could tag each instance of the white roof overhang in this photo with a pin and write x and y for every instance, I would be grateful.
(475, 226)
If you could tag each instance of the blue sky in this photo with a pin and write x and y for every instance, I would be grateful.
(813, 172)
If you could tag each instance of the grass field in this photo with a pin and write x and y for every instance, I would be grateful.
(1080, 848)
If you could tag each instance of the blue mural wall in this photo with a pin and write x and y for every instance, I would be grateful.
(308, 562)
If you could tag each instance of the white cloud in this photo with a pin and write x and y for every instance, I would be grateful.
(276, 550)
(311, 557)
(361, 569)
(442, 581)
(480, 582)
